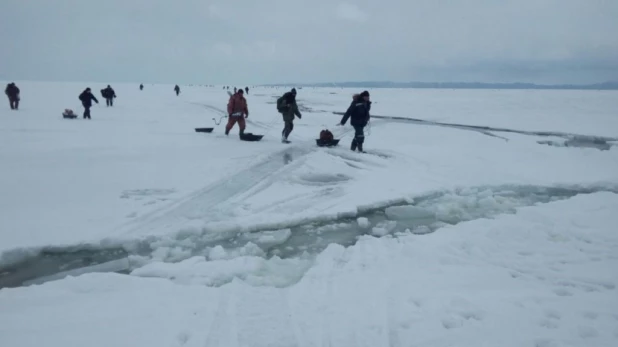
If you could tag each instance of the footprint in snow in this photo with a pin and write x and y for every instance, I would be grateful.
(183, 337)
(138, 194)
(552, 314)
(451, 323)
(562, 292)
(549, 324)
(546, 343)
(587, 332)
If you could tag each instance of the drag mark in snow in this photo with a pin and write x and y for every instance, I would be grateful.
(204, 204)
(572, 140)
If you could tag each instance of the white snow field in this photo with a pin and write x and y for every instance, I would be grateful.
(438, 236)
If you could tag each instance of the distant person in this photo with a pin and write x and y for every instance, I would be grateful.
(12, 92)
(358, 112)
(235, 90)
(86, 98)
(109, 94)
(141, 87)
(247, 90)
(177, 90)
(237, 111)
(286, 105)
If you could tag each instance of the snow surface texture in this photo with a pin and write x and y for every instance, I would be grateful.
(137, 174)
(138, 169)
(545, 276)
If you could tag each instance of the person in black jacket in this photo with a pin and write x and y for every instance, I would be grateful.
(86, 98)
(358, 112)
(12, 92)
(109, 94)
(177, 90)
(141, 87)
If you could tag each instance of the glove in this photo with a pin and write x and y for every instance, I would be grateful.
(300, 116)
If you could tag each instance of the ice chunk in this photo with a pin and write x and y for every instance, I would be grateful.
(220, 253)
(363, 222)
(377, 231)
(216, 253)
(389, 225)
(421, 230)
(270, 238)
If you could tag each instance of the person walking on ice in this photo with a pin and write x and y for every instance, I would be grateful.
(109, 94)
(358, 112)
(286, 105)
(237, 111)
(86, 98)
(12, 92)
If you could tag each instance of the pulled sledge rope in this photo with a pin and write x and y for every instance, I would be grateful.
(219, 122)
(204, 130)
(250, 137)
(326, 143)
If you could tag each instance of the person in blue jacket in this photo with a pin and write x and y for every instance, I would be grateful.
(358, 112)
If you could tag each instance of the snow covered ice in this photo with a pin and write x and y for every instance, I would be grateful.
(438, 236)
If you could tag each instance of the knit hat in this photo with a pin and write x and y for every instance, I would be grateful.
(365, 93)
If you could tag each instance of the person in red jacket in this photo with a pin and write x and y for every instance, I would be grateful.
(237, 111)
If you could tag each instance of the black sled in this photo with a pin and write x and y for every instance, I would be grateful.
(250, 137)
(68, 114)
(203, 130)
(327, 143)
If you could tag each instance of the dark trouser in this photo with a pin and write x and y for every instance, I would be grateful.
(14, 102)
(109, 101)
(87, 112)
(359, 138)
(287, 128)
(231, 120)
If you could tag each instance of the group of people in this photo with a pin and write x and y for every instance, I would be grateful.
(238, 110)
(236, 89)
(357, 113)
(86, 97)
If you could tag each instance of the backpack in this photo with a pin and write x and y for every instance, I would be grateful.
(326, 135)
(282, 105)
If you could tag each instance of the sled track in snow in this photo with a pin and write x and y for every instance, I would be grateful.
(203, 204)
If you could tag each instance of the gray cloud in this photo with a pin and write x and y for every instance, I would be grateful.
(242, 41)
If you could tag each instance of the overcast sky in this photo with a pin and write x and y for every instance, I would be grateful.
(273, 41)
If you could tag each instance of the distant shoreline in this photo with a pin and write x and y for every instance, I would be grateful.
(453, 85)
